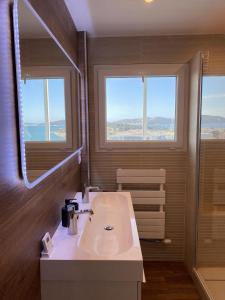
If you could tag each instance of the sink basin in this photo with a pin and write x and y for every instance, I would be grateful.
(106, 249)
(110, 231)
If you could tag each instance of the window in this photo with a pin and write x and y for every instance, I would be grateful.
(213, 108)
(46, 106)
(140, 106)
(136, 108)
(45, 119)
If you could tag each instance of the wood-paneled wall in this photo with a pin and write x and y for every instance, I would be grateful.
(41, 52)
(25, 215)
(134, 50)
(55, 14)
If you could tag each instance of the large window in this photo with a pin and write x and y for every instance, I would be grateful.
(46, 106)
(213, 108)
(141, 106)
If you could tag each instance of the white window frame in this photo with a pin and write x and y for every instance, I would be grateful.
(54, 72)
(103, 71)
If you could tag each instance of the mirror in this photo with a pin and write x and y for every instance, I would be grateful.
(48, 95)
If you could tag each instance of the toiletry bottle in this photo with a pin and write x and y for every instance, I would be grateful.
(64, 212)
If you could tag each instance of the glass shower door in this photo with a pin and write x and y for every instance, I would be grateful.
(211, 212)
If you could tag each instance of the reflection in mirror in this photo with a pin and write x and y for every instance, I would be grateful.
(49, 97)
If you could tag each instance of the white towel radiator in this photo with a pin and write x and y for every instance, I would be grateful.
(151, 224)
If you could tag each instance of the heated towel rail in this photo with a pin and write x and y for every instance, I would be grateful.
(151, 224)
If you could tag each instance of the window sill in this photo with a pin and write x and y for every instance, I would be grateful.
(139, 147)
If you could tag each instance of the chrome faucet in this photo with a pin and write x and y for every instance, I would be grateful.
(73, 216)
(72, 220)
(88, 189)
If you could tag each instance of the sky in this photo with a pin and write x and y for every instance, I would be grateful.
(125, 97)
(213, 96)
(33, 100)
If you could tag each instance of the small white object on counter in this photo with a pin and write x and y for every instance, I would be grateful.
(47, 245)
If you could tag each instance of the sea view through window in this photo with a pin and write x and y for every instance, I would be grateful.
(44, 109)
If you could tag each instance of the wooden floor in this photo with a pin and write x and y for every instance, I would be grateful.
(168, 281)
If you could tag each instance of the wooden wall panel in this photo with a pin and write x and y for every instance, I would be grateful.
(25, 215)
(163, 49)
(41, 52)
(133, 50)
(45, 160)
(55, 14)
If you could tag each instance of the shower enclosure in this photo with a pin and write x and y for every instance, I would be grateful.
(210, 211)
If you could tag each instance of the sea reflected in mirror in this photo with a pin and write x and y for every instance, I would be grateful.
(45, 119)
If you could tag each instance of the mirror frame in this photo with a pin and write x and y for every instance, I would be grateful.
(20, 127)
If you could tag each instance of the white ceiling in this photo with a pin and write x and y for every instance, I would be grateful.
(135, 17)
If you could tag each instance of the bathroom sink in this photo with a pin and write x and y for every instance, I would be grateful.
(106, 248)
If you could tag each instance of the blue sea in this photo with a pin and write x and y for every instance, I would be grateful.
(36, 132)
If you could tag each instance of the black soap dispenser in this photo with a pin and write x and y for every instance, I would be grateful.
(64, 211)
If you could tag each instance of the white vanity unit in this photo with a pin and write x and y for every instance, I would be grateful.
(103, 261)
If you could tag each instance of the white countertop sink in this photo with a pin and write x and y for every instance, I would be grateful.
(95, 253)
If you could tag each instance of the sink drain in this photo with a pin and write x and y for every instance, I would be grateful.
(108, 227)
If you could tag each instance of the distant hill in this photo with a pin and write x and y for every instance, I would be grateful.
(213, 118)
(128, 124)
(164, 123)
(56, 123)
(213, 121)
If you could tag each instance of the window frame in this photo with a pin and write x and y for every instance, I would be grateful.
(58, 72)
(182, 92)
